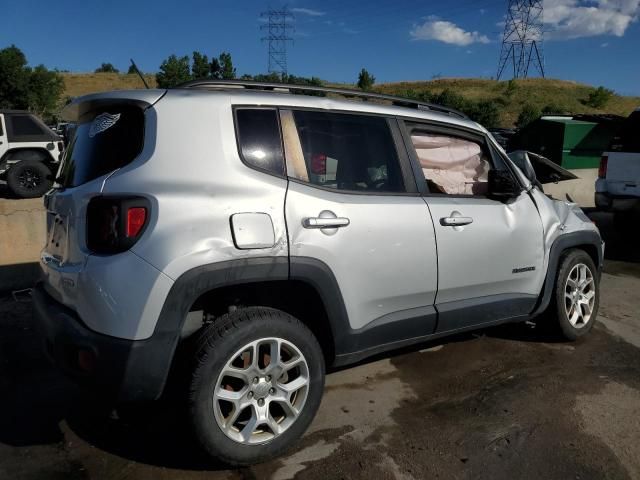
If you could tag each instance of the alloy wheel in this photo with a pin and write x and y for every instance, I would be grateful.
(261, 391)
(29, 179)
(579, 295)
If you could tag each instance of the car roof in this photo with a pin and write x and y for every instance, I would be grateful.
(280, 97)
(240, 96)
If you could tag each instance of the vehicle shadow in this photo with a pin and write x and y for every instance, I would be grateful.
(620, 246)
(5, 192)
(38, 405)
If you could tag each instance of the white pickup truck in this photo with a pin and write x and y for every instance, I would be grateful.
(618, 183)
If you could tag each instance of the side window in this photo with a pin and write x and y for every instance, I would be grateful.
(1, 132)
(23, 125)
(343, 151)
(452, 165)
(259, 139)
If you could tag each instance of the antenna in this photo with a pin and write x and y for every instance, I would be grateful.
(277, 27)
(522, 39)
(135, 67)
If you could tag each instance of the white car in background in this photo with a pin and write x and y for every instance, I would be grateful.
(618, 183)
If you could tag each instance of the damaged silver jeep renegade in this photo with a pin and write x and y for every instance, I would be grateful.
(245, 239)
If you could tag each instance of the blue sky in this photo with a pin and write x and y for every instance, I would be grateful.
(591, 41)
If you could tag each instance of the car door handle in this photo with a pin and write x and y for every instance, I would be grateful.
(455, 221)
(319, 222)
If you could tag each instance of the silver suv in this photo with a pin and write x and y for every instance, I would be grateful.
(246, 239)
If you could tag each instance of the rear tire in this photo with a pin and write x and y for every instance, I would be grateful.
(576, 295)
(246, 408)
(29, 179)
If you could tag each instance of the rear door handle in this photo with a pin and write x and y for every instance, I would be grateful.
(455, 221)
(319, 222)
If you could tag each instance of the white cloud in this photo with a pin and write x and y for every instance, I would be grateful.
(604, 45)
(566, 19)
(308, 11)
(447, 32)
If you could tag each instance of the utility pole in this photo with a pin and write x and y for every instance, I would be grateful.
(522, 39)
(278, 26)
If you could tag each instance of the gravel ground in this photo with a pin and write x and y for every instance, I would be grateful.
(509, 402)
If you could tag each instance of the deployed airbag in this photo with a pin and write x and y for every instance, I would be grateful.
(452, 165)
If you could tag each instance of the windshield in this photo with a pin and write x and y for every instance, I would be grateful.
(108, 140)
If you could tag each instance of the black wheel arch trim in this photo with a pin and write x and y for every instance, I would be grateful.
(560, 245)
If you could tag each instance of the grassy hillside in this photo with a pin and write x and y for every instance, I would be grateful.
(77, 84)
(568, 96)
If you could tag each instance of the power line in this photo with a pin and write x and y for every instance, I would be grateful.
(522, 39)
(277, 27)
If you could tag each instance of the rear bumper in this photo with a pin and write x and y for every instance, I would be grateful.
(611, 203)
(125, 370)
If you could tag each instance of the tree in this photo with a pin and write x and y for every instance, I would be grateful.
(365, 80)
(554, 109)
(485, 112)
(107, 68)
(450, 99)
(511, 88)
(22, 87)
(528, 114)
(215, 70)
(227, 70)
(200, 67)
(173, 71)
(14, 78)
(599, 97)
(44, 90)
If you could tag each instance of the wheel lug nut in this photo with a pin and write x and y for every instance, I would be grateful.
(255, 379)
(261, 402)
(272, 391)
(250, 395)
(268, 378)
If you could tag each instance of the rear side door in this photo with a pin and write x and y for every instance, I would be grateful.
(4, 144)
(353, 205)
(490, 252)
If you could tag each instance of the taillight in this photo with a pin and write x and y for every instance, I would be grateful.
(114, 224)
(136, 216)
(602, 170)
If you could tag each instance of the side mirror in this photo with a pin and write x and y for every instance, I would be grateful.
(502, 185)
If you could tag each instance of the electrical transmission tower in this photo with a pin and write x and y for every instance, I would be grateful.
(278, 26)
(522, 39)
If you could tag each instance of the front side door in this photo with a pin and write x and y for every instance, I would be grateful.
(490, 252)
(352, 204)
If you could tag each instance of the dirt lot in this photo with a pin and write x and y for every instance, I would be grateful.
(508, 402)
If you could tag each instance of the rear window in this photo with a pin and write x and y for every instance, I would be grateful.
(259, 139)
(628, 139)
(109, 140)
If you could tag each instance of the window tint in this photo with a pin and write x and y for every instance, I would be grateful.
(259, 139)
(1, 132)
(109, 140)
(23, 125)
(348, 152)
(452, 165)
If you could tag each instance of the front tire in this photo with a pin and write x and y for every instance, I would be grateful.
(29, 179)
(256, 385)
(576, 295)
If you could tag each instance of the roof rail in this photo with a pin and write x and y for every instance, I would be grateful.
(345, 92)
